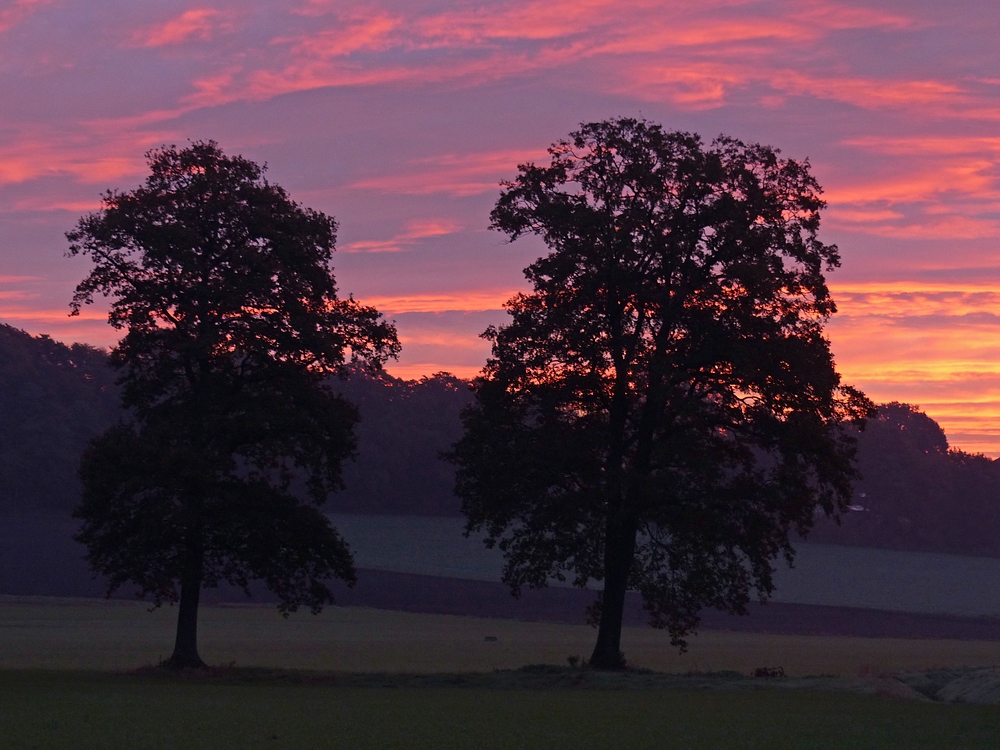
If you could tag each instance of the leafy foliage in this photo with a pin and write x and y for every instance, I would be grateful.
(663, 407)
(232, 328)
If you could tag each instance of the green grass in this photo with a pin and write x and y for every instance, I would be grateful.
(415, 704)
(50, 709)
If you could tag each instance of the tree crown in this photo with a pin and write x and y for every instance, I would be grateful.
(213, 268)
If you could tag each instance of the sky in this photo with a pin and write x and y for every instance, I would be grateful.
(400, 118)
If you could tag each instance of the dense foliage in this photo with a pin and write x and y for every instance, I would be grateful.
(662, 410)
(223, 288)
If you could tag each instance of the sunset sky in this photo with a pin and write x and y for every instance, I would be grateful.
(400, 118)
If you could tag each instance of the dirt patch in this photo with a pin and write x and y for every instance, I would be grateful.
(972, 685)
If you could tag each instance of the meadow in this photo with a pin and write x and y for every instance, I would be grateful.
(98, 634)
(364, 678)
(83, 711)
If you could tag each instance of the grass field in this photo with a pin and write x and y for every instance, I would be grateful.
(109, 635)
(65, 683)
(90, 710)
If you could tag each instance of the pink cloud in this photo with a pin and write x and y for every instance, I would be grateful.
(88, 155)
(352, 34)
(50, 154)
(196, 24)
(419, 229)
(18, 11)
(454, 174)
(557, 33)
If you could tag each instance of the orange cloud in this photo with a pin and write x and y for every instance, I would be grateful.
(937, 187)
(417, 370)
(48, 316)
(933, 344)
(472, 300)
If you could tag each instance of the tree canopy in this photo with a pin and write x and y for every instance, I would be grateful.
(232, 327)
(663, 407)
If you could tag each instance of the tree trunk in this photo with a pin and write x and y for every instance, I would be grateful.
(185, 654)
(619, 550)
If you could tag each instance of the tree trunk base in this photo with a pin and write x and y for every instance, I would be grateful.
(608, 662)
(179, 662)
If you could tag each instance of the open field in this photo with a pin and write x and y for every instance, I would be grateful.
(86, 710)
(98, 634)
(64, 683)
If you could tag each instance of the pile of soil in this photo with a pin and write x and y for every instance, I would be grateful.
(968, 685)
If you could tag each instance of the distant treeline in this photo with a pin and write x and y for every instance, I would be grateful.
(916, 493)
(54, 398)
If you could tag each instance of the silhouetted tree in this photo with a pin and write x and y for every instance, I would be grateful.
(232, 326)
(663, 407)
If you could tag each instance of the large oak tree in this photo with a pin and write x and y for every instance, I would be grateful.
(223, 288)
(663, 407)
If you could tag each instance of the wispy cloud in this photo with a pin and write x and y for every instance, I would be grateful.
(415, 231)
(454, 174)
(196, 24)
(17, 11)
(471, 300)
(934, 344)
(82, 157)
(936, 187)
